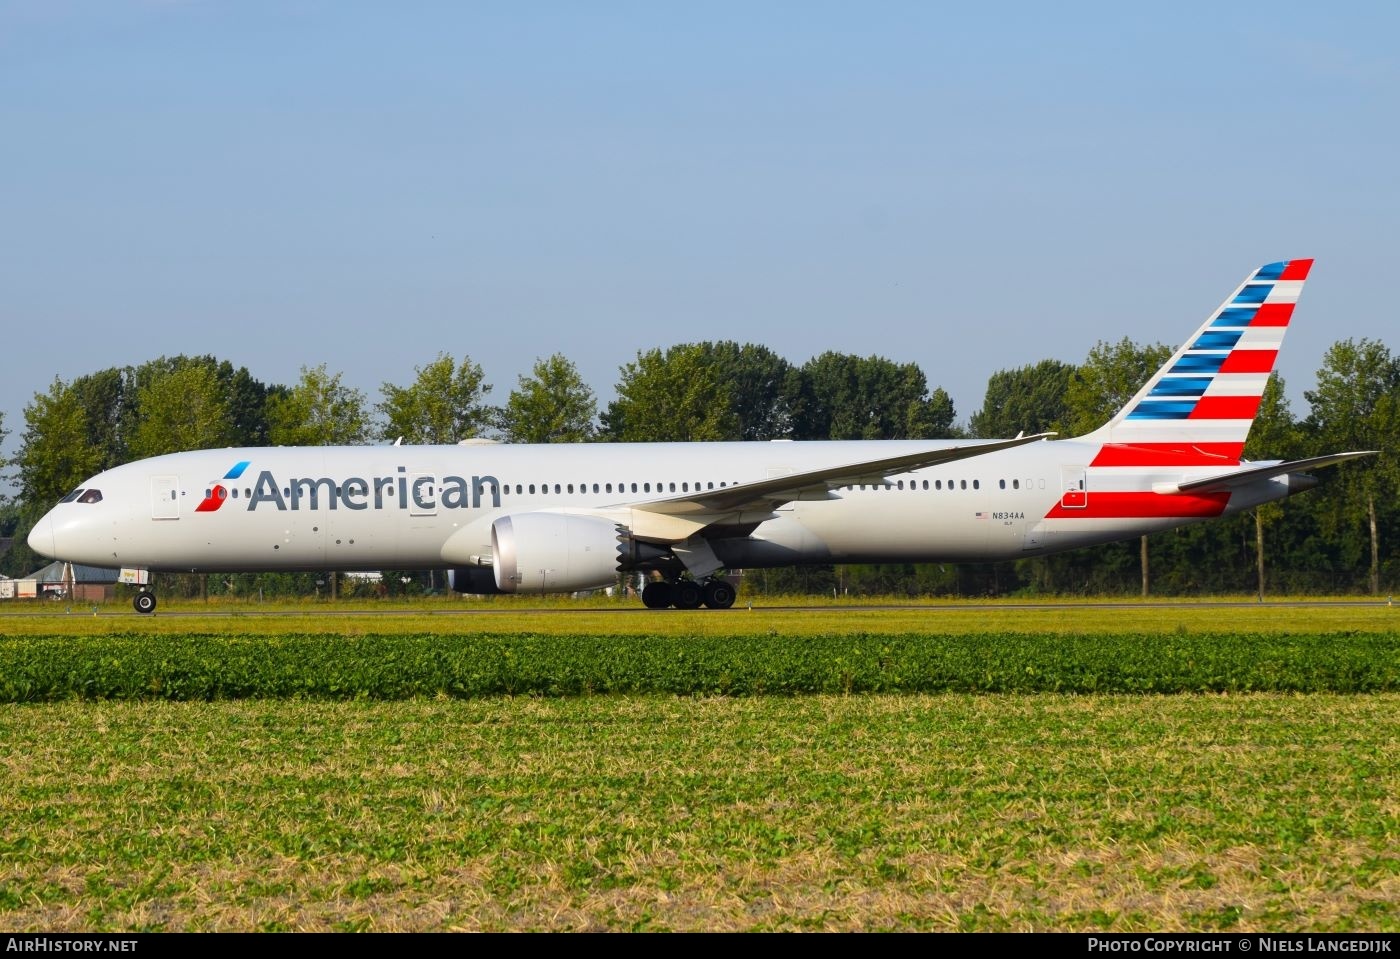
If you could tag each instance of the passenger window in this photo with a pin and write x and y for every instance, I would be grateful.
(963, 484)
(646, 487)
(1015, 484)
(556, 489)
(976, 484)
(1001, 484)
(634, 487)
(937, 484)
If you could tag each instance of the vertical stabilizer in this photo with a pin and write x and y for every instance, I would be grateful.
(1198, 408)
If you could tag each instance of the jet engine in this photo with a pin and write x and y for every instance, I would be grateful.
(556, 552)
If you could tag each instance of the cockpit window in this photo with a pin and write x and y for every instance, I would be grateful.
(91, 496)
(71, 496)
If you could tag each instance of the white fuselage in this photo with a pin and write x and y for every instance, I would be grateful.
(419, 507)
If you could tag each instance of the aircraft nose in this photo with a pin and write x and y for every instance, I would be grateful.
(41, 537)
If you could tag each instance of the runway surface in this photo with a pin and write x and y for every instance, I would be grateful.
(64, 609)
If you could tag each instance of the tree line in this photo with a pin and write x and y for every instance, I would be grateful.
(1330, 540)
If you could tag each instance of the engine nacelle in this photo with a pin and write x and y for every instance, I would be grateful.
(555, 552)
(472, 579)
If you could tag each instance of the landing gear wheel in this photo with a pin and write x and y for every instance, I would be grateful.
(656, 595)
(719, 594)
(687, 594)
(145, 602)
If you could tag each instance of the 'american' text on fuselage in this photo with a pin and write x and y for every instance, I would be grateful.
(421, 491)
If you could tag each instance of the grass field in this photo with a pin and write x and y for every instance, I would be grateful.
(953, 811)
(799, 616)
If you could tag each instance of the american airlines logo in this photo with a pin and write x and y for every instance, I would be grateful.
(218, 492)
(419, 492)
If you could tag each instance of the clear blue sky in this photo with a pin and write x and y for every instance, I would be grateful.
(971, 187)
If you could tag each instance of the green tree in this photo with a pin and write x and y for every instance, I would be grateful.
(552, 405)
(15, 523)
(1108, 378)
(852, 397)
(445, 404)
(1354, 407)
(1029, 399)
(763, 387)
(676, 396)
(184, 409)
(246, 400)
(103, 397)
(55, 452)
(243, 398)
(318, 411)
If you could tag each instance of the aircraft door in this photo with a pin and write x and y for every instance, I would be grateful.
(165, 497)
(1074, 491)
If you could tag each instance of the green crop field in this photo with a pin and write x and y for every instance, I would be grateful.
(936, 768)
(799, 617)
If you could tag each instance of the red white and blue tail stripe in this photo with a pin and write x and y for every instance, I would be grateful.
(1197, 409)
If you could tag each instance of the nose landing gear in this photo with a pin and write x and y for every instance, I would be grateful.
(144, 601)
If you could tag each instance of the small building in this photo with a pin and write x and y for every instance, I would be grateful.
(87, 583)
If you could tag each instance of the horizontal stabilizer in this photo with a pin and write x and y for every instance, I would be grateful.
(1246, 476)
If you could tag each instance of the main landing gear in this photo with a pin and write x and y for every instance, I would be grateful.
(688, 594)
(144, 601)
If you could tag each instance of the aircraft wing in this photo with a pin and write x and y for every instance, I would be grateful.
(1246, 476)
(675, 518)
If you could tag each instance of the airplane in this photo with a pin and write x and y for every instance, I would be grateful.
(505, 518)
